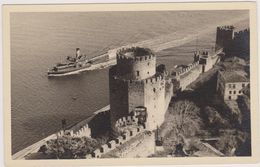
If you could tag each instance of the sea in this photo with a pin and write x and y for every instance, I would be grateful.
(40, 40)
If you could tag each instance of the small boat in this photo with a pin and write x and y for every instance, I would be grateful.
(73, 64)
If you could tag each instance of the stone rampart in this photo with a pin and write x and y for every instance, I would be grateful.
(141, 145)
(187, 69)
(111, 145)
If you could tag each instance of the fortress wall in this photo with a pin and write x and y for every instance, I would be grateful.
(118, 99)
(215, 60)
(192, 76)
(154, 100)
(126, 120)
(192, 72)
(224, 37)
(139, 67)
(187, 69)
(142, 146)
(92, 127)
(123, 66)
(100, 124)
(168, 93)
(115, 143)
(135, 95)
(84, 131)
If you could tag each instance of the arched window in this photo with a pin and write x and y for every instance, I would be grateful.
(137, 73)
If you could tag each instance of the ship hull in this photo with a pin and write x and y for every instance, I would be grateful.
(68, 70)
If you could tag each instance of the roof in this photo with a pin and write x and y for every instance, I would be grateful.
(233, 76)
(135, 52)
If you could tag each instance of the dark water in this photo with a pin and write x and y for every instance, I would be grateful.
(39, 40)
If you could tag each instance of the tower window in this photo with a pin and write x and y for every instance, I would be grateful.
(234, 86)
(230, 92)
(148, 72)
(154, 89)
(148, 63)
(234, 92)
(137, 73)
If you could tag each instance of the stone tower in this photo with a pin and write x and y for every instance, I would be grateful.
(224, 37)
(134, 82)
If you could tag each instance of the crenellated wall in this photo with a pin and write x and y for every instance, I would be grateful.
(186, 70)
(84, 131)
(134, 82)
(128, 94)
(128, 127)
(135, 65)
(154, 101)
(142, 145)
(203, 61)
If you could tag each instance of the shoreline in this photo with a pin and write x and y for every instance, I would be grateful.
(35, 146)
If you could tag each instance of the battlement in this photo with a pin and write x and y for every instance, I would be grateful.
(241, 33)
(121, 57)
(112, 144)
(226, 28)
(124, 121)
(128, 126)
(201, 53)
(187, 69)
(84, 131)
(135, 54)
(154, 79)
(81, 129)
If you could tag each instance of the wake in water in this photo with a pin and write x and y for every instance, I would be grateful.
(175, 39)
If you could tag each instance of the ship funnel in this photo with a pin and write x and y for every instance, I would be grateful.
(77, 52)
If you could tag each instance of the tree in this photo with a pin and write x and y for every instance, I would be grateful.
(230, 141)
(68, 147)
(181, 121)
(214, 120)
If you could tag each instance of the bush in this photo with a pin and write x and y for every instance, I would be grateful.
(68, 147)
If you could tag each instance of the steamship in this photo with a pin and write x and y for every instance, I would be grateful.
(72, 65)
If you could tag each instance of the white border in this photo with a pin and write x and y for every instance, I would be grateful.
(96, 1)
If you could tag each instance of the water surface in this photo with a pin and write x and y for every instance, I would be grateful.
(39, 40)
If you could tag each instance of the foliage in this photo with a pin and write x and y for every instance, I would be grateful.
(214, 120)
(229, 141)
(181, 121)
(68, 147)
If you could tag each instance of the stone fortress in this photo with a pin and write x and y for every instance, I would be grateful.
(140, 92)
(135, 82)
(139, 97)
(204, 60)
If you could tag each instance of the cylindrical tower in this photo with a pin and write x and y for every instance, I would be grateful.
(135, 68)
(135, 63)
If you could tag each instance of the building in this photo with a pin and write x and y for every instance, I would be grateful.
(136, 82)
(224, 37)
(231, 84)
